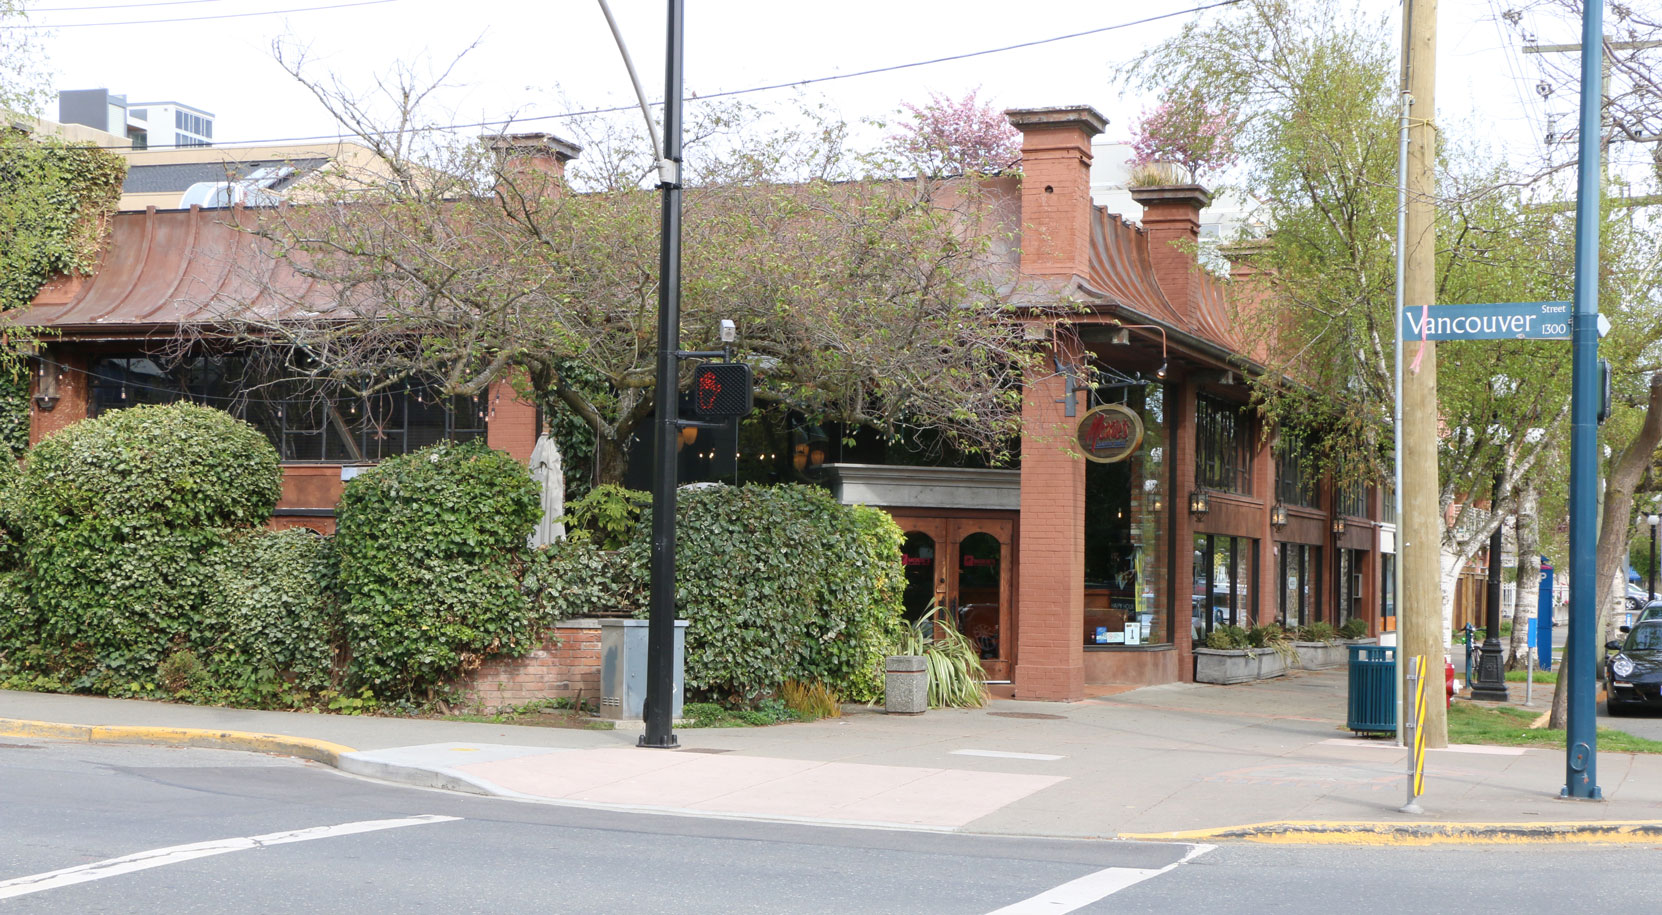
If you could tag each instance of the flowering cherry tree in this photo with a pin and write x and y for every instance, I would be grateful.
(1184, 130)
(958, 137)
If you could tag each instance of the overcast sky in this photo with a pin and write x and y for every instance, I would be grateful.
(529, 52)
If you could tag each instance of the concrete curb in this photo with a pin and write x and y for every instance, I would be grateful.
(1342, 832)
(303, 747)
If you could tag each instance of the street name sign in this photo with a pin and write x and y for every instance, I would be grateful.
(1491, 321)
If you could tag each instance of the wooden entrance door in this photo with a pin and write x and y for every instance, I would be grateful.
(963, 566)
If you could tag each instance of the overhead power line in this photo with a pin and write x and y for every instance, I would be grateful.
(116, 6)
(301, 9)
(704, 97)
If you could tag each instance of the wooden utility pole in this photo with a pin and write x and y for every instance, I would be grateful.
(1421, 618)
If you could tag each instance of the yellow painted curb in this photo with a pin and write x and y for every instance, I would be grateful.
(304, 747)
(1362, 832)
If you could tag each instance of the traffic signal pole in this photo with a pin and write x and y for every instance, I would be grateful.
(660, 651)
(1580, 733)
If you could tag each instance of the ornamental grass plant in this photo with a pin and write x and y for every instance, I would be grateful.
(956, 678)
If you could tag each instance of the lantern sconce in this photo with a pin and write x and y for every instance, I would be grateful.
(1278, 516)
(1338, 528)
(46, 386)
(1199, 503)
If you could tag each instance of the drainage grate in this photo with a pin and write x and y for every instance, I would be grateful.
(1030, 716)
(703, 750)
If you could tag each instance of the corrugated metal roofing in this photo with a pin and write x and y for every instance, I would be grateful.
(173, 267)
(1121, 268)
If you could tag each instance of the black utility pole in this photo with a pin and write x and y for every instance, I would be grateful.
(660, 651)
(1491, 672)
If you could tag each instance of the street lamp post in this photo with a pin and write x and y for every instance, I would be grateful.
(1652, 521)
(1490, 683)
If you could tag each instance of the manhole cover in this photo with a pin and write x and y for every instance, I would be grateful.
(703, 750)
(1030, 716)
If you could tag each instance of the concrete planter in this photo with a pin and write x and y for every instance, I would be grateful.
(1319, 655)
(1237, 665)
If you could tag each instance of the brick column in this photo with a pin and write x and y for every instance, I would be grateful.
(1056, 188)
(1050, 623)
(1181, 396)
(1263, 487)
(511, 423)
(1171, 217)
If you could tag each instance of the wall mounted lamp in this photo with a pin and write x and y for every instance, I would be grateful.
(1122, 336)
(1278, 516)
(1338, 527)
(1199, 502)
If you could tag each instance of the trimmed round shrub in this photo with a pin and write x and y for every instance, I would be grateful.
(175, 465)
(430, 546)
(784, 583)
(119, 516)
(269, 628)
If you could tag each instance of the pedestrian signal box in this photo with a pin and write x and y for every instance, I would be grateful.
(722, 389)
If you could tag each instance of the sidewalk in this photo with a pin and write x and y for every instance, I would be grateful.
(1180, 758)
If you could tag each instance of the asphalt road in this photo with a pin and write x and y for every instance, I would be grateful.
(147, 830)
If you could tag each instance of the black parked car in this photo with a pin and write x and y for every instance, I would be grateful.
(1633, 668)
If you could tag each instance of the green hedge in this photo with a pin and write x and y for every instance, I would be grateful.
(269, 627)
(431, 547)
(119, 516)
(11, 538)
(783, 583)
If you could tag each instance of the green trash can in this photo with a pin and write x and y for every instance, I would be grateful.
(1373, 689)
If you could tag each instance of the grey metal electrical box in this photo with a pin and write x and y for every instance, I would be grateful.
(623, 668)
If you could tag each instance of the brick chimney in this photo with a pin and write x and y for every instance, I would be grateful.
(1056, 188)
(527, 156)
(1171, 217)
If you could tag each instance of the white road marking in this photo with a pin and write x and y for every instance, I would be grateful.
(1076, 894)
(157, 857)
(1005, 754)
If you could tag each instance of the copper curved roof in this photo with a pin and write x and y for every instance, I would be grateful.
(1121, 269)
(166, 268)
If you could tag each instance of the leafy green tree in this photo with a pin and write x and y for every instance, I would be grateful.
(1316, 113)
(870, 302)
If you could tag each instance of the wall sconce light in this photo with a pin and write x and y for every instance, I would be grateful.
(1157, 503)
(1120, 336)
(1278, 516)
(1199, 502)
(46, 389)
(1338, 527)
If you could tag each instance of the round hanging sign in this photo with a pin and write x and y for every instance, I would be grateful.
(1110, 433)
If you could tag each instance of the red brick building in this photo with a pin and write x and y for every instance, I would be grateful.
(1071, 572)
(115, 342)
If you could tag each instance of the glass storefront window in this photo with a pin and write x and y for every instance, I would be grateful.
(979, 569)
(917, 554)
(1127, 518)
(1226, 586)
(1300, 591)
(304, 422)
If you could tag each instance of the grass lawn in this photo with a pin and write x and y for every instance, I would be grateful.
(1509, 727)
(1541, 676)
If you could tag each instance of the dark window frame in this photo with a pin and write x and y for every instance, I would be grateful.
(1295, 481)
(1223, 445)
(344, 426)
